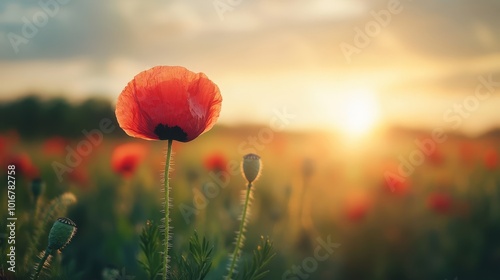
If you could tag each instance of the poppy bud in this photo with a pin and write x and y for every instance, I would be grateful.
(61, 233)
(251, 167)
(37, 187)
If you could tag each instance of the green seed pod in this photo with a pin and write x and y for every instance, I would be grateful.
(37, 188)
(61, 233)
(251, 167)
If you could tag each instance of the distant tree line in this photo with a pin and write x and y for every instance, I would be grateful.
(33, 117)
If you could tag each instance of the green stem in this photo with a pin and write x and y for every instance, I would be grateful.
(301, 207)
(167, 210)
(41, 264)
(234, 259)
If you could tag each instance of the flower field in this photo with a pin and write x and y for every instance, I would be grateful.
(330, 210)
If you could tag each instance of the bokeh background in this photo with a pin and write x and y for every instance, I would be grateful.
(376, 121)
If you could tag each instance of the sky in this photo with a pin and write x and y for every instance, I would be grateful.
(340, 64)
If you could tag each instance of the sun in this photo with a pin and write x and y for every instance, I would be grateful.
(353, 113)
(359, 113)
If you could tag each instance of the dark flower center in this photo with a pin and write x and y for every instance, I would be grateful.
(165, 132)
(129, 164)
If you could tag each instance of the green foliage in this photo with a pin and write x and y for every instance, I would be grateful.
(150, 244)
(60, 235)
(262, 256)
(33, 228)
(45, 214)
(34, 117)
(201, 253)
(197, 263)
(43, 265)
(70, 270)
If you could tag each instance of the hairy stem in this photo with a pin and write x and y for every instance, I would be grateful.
(40, 265)
(239, 239)
(166, 240)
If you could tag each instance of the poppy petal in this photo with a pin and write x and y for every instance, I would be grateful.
(168, 102)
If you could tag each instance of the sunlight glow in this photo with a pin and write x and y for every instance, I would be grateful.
(360, 113)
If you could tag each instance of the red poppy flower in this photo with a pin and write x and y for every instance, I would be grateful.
(491, 159)
(3, 149)
(393, 183)
(12, 137)
(126, 158)
(24, 165)
(436, 157)
(3, 144)
(7, 141)
(54, 146)
(399, 188)
(357, 206)
(439, 202)
(467, 152)
(216, 162)
(79, 176)
(168, 103)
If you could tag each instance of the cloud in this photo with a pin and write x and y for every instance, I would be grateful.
(78, 28)
(281, 50)
(451, 29)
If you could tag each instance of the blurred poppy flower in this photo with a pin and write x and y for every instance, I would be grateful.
(127, 157)
(54, 146)
(7, 141)
(3, 149)
(24, 165)
(216, 162)
(439, 202)
(280, 144)
(436, 157)
(357, 206)
(3, 144)
(467, 152)
(491, 159)
(401, 188)
(393, 183)
(168, 103)
(79, 176)
(12, 137)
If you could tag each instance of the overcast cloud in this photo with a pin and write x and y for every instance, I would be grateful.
(264, 54)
